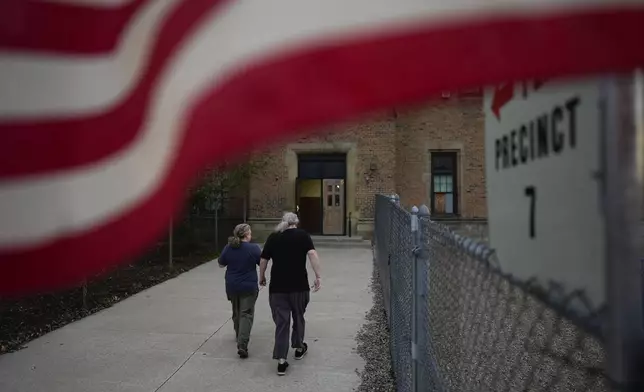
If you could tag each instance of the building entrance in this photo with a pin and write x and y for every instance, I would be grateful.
(320, 193)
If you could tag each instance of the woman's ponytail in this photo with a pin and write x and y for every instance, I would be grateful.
(234, 242)
(239, 233)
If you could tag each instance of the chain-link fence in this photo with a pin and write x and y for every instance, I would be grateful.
(197, 237)
(205, 231)
(458, 323)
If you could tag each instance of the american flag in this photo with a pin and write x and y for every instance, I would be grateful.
(109, 107)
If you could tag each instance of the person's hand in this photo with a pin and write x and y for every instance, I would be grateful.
(262, 281)
(317, 284)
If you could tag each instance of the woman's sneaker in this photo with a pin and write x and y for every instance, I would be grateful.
(243, 353)
(301, 352)
(281, 368)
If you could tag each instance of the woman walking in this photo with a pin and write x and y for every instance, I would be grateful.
(241, 259)
(289, 289)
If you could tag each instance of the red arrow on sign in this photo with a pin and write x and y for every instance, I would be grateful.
(502, 95)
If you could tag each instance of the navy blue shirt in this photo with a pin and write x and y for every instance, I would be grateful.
(241, 271)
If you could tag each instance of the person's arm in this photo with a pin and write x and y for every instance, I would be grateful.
(257, 254)
(314, 259)
(263, 262)
(222, 258)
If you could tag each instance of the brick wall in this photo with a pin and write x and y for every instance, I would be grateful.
(267, 194)
(449, 125)
(392, 156)
(375, 168)
(376, 160)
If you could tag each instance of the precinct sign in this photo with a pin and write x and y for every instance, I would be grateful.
(542, 147)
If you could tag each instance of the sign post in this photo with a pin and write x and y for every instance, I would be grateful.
(565, 174)
(543, 164)
(624, 140)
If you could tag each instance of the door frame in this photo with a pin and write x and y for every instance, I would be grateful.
(351, 176)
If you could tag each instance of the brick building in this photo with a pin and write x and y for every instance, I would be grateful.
(430, 154)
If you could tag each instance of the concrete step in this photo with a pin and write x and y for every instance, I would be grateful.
(340, 242)
(336, 238)
(343, 245)
(337, 242)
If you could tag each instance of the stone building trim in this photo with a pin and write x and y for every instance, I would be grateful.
(349, 148)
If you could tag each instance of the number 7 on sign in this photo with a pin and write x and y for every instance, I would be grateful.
(531, 192)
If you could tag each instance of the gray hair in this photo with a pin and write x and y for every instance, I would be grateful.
(240, 231)
(289, 219)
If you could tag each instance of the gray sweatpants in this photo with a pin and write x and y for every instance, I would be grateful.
(284, 306)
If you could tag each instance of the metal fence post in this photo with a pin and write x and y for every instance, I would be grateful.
(396, 199)
(415, 368)
(426, 359)
(245, 209)
(392, 292)
(170, 244)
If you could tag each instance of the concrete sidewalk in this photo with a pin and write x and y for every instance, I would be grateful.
(178, 337)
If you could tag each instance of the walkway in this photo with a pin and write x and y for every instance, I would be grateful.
(178, 337)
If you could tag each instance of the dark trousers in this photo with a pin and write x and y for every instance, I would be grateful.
(284, 306)
(243, 314)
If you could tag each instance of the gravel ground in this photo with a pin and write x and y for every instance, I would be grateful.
(373, 345)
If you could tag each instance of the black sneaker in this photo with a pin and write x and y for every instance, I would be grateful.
(301, 352)
(281, 368)
(243, 353)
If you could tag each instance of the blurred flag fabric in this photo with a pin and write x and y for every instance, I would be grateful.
(108, 108)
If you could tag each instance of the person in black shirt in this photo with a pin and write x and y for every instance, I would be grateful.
(288, 248)
(241, 259)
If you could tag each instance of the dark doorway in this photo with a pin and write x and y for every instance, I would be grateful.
(309, 205)
(320, 193)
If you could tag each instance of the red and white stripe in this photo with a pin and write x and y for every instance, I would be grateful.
(109, 107)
